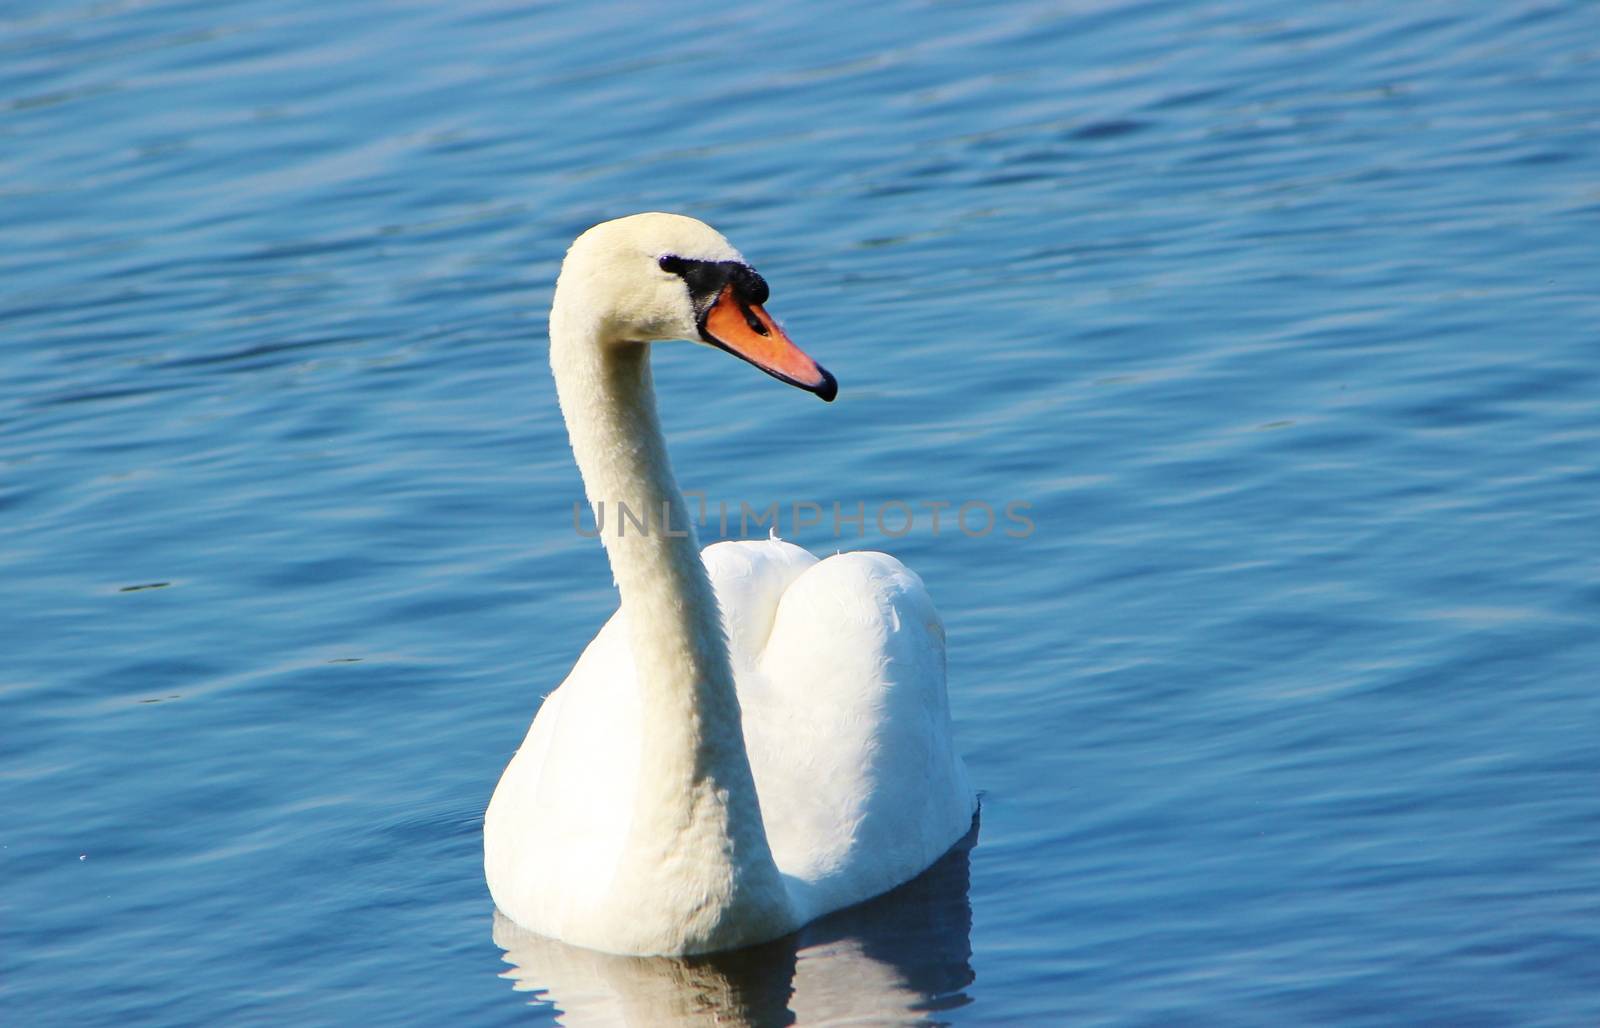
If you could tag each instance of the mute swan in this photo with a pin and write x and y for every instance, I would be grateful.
(702, 780)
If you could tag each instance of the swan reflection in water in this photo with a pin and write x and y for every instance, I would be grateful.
(897, 959)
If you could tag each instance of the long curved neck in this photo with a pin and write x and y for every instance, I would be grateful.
(696, 830)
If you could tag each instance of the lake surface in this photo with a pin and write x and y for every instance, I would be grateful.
(1282, 320)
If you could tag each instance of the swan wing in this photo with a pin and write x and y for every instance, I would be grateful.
(840, 666)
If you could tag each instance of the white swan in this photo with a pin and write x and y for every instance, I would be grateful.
(704, 781)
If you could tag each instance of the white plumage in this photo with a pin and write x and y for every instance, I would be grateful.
(704, 780)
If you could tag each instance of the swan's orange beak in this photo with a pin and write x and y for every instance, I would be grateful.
(748, 332)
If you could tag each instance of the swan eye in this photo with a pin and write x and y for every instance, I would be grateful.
(705, 279)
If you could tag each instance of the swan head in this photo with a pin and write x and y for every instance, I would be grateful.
(655, 276)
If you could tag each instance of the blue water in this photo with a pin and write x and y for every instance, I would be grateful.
(1283, 320)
